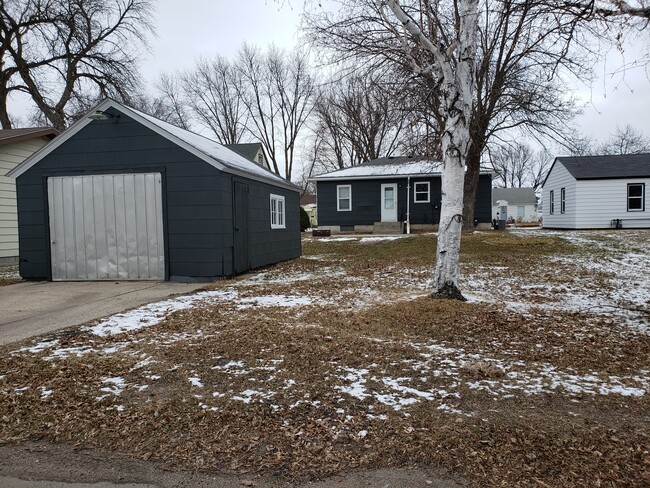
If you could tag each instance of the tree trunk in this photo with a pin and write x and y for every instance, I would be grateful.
(451, 214)
(470, 186)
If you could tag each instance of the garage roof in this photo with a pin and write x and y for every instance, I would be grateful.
(206, 149)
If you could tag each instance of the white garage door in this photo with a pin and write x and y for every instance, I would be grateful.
(106, 227)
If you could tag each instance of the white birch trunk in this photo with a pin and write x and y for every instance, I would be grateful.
(454, 65)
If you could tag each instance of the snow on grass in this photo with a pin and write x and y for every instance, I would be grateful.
(115, 386)
(154, 313)
(273, 301)
(196, 381)
(9, 273)
(371, 240)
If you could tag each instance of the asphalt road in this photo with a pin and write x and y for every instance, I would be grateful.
(32, 308)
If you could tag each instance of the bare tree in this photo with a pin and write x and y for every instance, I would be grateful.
(522, 46)
(212, 94)
(626, 140)
(511, 163)
(277, 89)
(65, 54)
(359, 118)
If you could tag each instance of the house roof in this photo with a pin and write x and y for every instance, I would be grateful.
(387, 167)
(605, 166)
(514, 196)
(248, 150)
(307, 199)
(206, 149)
(9, 136)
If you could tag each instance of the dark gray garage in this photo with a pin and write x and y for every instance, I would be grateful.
(121, 195)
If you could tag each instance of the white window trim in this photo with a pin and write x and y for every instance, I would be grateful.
(338, 198)
(280, 216)
(562, 200)
(641, 198)
(415, 193)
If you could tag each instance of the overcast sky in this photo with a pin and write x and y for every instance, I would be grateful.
(189, 29)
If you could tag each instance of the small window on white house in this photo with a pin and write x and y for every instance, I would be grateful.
(260, 159)
(422, 192)
(343, 198)
(636, 197)
(551, 203)
(562, 200)
(277, 212)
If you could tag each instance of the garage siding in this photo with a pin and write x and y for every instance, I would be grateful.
(198, 231)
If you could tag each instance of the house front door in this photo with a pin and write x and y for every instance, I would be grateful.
(389, 202)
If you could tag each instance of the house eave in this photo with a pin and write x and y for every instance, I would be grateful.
(316, 179)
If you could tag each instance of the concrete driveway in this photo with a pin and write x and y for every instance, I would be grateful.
(33, 308)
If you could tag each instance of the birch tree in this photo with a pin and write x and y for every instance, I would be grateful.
(449, 60)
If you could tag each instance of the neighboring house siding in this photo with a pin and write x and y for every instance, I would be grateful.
(197, 200)
(530, 212)
(600, 201)
(11, 155)
(366, 205)
(559, 178)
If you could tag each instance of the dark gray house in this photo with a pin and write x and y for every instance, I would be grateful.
(390, 194)
(121, 195)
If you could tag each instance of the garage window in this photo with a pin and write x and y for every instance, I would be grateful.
(277, 212)
(636, 197)
(422, 192)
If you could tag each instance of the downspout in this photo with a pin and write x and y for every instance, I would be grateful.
(408, 205)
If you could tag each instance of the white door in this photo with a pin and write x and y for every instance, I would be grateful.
(106, 227)
(389, 202)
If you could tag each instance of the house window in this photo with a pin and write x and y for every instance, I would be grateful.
(551, 203)
(636, 197)
(260, 159)
(343, 198)
(422, 192)
(562, 200)
(277, 212)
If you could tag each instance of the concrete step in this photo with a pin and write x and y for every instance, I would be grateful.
(388, 228)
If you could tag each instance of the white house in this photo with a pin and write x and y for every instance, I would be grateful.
(519, 204)
(16, 145)
(597, 192)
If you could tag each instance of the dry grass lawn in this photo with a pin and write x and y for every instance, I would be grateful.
(339, 360)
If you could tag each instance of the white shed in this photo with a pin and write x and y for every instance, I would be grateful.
(519, 204)
(597, 192)
(16, 145)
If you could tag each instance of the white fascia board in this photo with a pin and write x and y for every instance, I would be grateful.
(56, 142)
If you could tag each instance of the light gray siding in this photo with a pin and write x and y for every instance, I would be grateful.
(600, 201)
(559, 178)
(11, 155)
(530, 212)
